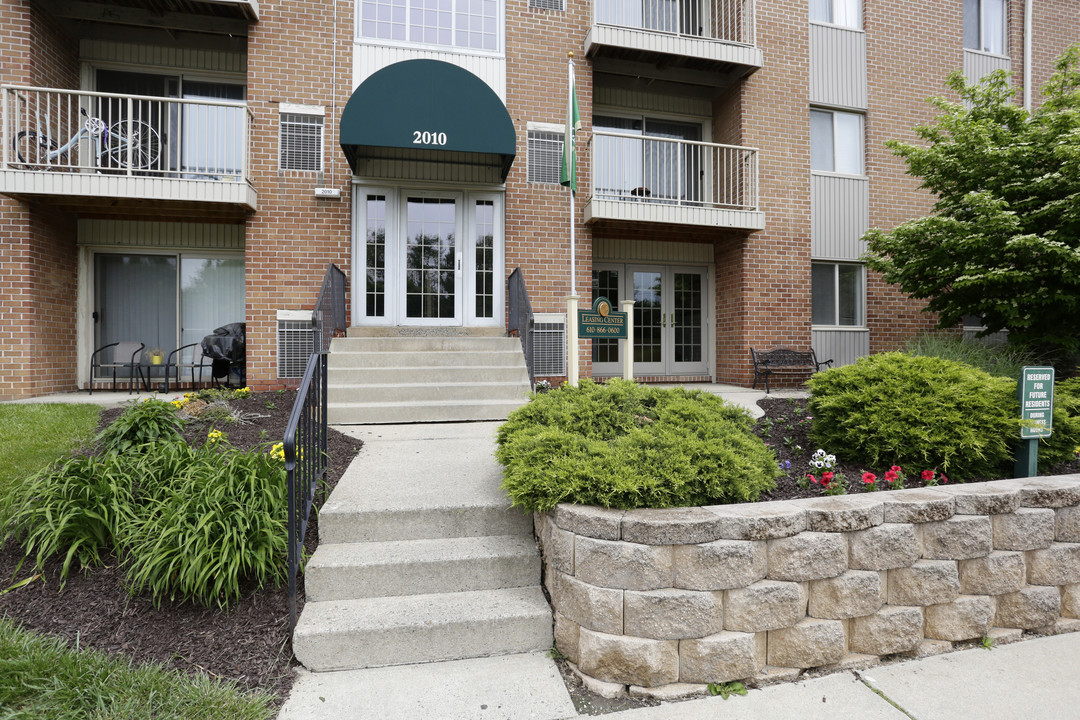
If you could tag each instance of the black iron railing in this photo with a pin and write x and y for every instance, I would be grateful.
(520, 318)
(305, 436)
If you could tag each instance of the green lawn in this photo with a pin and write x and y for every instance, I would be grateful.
(32, 436)
(42, 677)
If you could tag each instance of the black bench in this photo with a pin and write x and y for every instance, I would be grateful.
(784, 359)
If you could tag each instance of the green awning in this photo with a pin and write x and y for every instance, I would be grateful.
(428, 110)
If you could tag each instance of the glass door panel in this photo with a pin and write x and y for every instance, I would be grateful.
(211, 295)
(688, 322)
(135, 300)
(431, 263)
(649, 325)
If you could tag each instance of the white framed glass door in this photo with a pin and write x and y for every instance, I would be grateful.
(432, 260)
(670, 319)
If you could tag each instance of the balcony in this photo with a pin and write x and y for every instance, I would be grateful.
(650, 179)
(117, 154)
(686, 40)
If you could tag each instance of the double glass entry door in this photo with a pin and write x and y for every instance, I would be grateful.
(670, 319)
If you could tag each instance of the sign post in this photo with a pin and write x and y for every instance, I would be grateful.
(1036, 392)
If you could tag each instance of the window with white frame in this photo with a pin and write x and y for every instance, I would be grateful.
(836, 12)
(836, 142)
(837, 294)
(544, 155)
(466, 24)
(301, 138)
(984, 25)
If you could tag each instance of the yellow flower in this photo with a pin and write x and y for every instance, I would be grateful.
(243, 392)
(277, 452)
(213, 436)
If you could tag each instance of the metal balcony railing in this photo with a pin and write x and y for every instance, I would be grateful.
(78, 131)
(637, 168)
(730, 21)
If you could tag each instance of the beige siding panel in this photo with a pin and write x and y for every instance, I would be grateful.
(671, 44)
(615, 250)
(146, 188)
(403, 169)
(597, 209)
(128, 233)
(163, 57)
(978, 65)
(843, 347)
(369, 59)
(651, 102)
(839, 216)
(837, 66)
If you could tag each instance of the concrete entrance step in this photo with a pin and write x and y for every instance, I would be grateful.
(375, 632)
(425, 344)
(345, 571)
(441, 411)
(410, 391)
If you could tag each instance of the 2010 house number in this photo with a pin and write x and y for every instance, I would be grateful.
(429, 138)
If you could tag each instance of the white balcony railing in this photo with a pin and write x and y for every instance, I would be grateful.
(71, 131)
(729, 21)
(663, 171)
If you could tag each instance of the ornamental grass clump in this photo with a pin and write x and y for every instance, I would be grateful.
(623, 445)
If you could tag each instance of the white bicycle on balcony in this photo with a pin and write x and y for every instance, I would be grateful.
(126, 144)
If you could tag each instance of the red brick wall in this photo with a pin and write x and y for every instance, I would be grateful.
(293, 236)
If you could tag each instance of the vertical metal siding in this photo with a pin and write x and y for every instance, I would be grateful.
(651, 102)
(369, 59)
(203, 236)
(837, 66)
(843, 347)
(615, 250)
(978, 65)
(163, 57)
(839, 215)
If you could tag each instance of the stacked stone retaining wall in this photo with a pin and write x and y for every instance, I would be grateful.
(669, 600)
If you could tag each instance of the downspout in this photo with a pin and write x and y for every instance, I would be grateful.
(1027, 53)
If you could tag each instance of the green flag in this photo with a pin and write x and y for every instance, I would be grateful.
(568, 167)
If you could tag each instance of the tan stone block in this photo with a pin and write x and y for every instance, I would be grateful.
(929, 648)
(850, 594)
(966, 617)
(587, 605)
(1004, 636)
(616, 564)
(667, 693)
(996, 574)
(722, 657)
(1070, 601)
(807, 556)
(759, 521)
(958, 538)
(720, 565)
(989, 498)
(1067, 525)
(628, 660)
(558, 545)
(566, 636)
(1065, 625)
(1025, 529)
(843, 514)
(774, 675)
(1058, 564)
(609, 690)
(672, 614)
(590, 521)
(764, 605)
(918, 505)
(1051, 492)
(892, 629)
(884, 547)
(810, 643)
(670, 526)
(1033, 607)
(927, 582)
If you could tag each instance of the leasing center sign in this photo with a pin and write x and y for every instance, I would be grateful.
(1036, 402)
(601, 322)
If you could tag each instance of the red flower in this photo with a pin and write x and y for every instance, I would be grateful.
(890, 475)
(895, 468)
(944, 479)
(811, 478)
(869, 478)
(928, 475)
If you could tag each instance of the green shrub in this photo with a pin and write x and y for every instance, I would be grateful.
(1064, 440)
(999, 360)
(917, 412)
(142, 423)
(72, 508)
(210, 519)
(624, 445)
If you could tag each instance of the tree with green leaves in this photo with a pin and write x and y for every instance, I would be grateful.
(1004, 240)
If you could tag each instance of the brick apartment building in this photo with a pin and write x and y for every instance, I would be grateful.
(730, 158)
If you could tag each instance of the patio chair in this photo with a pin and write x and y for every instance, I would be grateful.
(125, 355)
(198, 362)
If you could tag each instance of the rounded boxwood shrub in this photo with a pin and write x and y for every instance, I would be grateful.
(917, 412)
(1064, 440)
(624, 445)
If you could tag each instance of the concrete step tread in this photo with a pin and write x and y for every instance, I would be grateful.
(394, 552)
(431, 403)
(441, 383)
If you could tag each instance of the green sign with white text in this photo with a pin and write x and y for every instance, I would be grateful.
(601, 322)
(1036, 402)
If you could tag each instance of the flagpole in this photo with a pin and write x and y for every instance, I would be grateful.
(568, 177)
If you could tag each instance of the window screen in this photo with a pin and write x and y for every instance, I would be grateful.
(545, 156)
(301, 142)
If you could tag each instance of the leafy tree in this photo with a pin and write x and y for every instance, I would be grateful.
(1004, 240)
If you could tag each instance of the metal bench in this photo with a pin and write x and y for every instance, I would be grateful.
(785, 360)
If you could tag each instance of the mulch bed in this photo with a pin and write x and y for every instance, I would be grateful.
(248, 644)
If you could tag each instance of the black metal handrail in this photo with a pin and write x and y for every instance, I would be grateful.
(305, 462)
(329, 313)
(520, 317)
